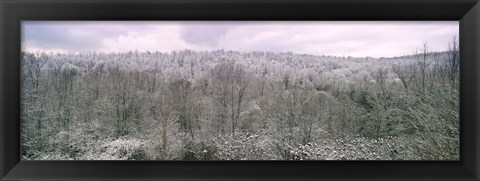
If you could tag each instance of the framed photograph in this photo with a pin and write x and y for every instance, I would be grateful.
(244, 90)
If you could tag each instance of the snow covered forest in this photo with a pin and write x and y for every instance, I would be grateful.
(229, 105)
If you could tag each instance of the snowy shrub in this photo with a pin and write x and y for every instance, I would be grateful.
(198, 151)
(347, 148)
(126, 149)
(240, 146)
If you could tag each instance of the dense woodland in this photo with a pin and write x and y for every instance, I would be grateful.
(228, 105)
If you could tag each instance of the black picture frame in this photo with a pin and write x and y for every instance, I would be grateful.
(12, 12)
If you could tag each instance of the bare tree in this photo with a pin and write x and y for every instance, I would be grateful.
(122, 99)
(453, 60)
(315, 111)
(162, 110)
(405, 73)
(220, 84)
(422, 61)
(164, 118)
(239, 86)
(32, 66)
(63, 77)
(286, 78)
(380, 76)
(181, 90)
(232, 83)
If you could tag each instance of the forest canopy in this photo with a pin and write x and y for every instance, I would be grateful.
(229, 105)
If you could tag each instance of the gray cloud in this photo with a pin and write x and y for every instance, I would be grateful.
(54, 35)
(75, 36)
(203, 34)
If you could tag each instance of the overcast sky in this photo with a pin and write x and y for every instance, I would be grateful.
(376, 39)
